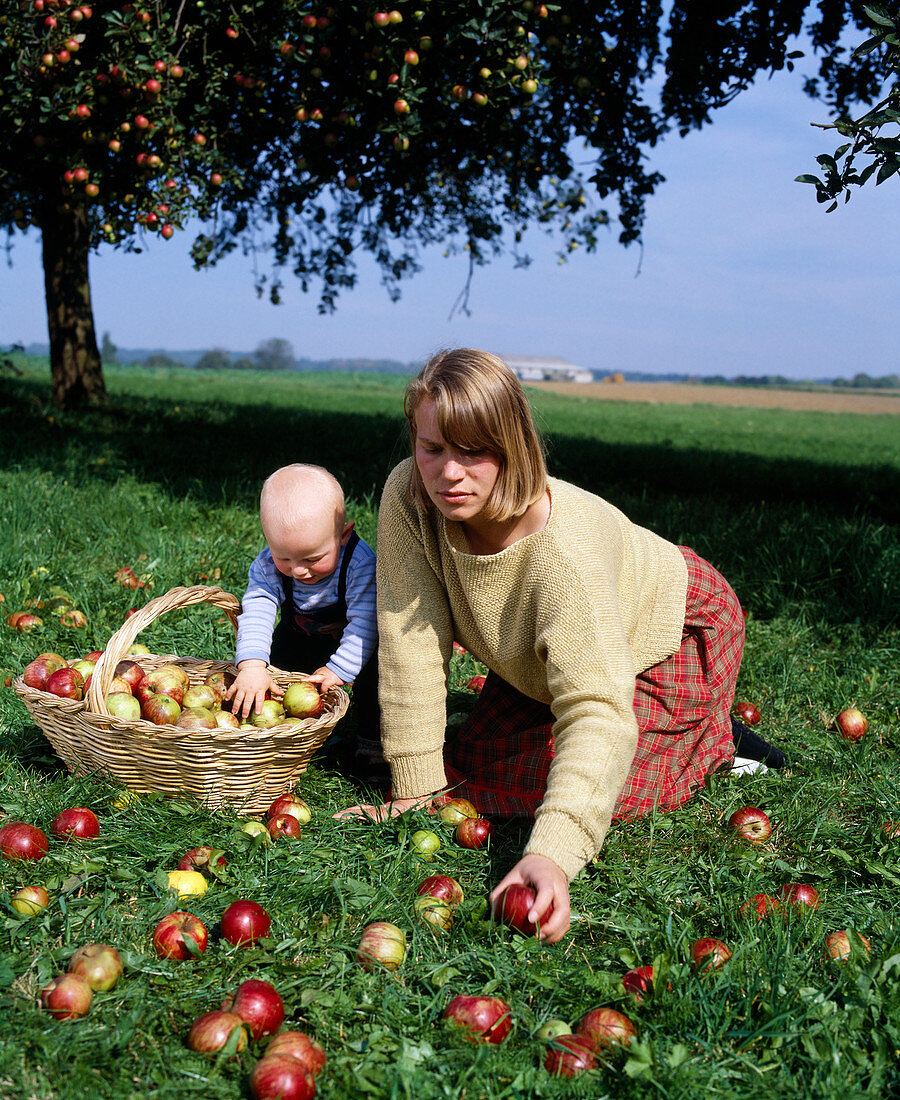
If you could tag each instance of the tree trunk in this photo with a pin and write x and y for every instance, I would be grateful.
(74, 359)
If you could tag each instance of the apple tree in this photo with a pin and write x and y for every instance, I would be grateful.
(321, 131)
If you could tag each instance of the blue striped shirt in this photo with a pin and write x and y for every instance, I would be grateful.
(265, 593)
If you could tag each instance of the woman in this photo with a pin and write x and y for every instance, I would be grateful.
(613, 654)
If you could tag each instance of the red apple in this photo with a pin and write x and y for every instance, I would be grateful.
(99, 964)
(513, 907)
(174, 671)
(290, 804)
(211, 1031)
(280, 1077)
(67, 683)
(76, 823)
(131, 672)
(259, 1005)
(161, 682)
(381, 944)
(442, 887)
(206, 860)
(763, 905)
(67, 997)
(851, 724)
(244, 922)
(161, 710)
(30, 901)
(606, 1028)
(297, 1044)
(196, 718)
(638, 981)
(569, 1056)
(121, 704)
(473, 832)
(284, 825)
(457, 809)
(476, 684)
(748, 713)
(839, 946)
(19, 840)
(302, 700)
(180, 936)
(750, 823)
(799, 895)
(709, 954)
(26, 622)
(39, 671)
(480, 1019)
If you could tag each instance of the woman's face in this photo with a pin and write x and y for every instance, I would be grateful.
(459, 483)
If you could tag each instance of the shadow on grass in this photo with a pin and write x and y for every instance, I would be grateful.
(790, 532)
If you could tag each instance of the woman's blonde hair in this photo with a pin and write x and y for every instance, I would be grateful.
(481, 406)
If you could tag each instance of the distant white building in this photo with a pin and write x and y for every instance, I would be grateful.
(543, 368)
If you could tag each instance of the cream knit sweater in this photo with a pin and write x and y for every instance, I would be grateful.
(568, 616)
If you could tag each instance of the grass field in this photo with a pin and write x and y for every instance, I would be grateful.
(799, 510)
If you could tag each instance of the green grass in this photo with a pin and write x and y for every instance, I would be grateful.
(798, 510)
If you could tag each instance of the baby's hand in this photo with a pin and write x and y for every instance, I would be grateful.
(250, 687)
(326, 679)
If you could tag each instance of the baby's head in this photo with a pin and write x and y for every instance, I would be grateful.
(301, 509)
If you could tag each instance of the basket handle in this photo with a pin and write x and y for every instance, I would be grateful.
(119, 644)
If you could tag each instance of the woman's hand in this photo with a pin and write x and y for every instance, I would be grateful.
(393, 808)
(551, 887)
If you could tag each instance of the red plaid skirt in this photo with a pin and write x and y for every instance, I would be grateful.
(502, 754)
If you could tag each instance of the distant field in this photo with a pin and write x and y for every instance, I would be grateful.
(673, 393)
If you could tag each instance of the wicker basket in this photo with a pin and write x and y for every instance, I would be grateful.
(246, 769)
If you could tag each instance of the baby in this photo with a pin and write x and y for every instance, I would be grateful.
(321, 575)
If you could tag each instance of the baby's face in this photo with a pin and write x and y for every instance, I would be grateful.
(308, 555)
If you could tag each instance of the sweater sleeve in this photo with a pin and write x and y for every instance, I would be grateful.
(415, 634)
(259, 608)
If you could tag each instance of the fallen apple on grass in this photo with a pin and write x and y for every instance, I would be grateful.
(473, 832)
(99, 964)
(606, 1027)
(709, 954)
(381, 944)
(456, 810)
(476, 684)
(30, 901)
(244, 922)
(638, 981)
(19, 840)
(299, 1045)
(180, 936)
(284, 825)
(851, 724)
(442, 887)
(747, 712)
(67, 997)
(799, 895)
(434, 912)
(569, 1056)
(206, 860)
(210, 1032)
(842, 945)
(762, 906)
(425, 843)
(480, 1019)
(187, 884)
(259, 1005)
(552, 1028)
(750, 823)
(290, 804)
(76, 823)
(281, 1077)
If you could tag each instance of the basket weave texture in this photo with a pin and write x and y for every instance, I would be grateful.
(246, 769)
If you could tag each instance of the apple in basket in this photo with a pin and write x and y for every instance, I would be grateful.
(41, 669)
(161, 710)
(218, 682)
(66, 683)
(271, 713)
(166, 680)
(225, 720)
(201, 695)
(302, 700)
(196, 718)
(131, 672)
(121, 704)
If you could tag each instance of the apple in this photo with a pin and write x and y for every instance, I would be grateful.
(569, 1056)
(76, 823)
(513, 907)
(196, 718)
(476, 684)
(67, 996)
(259, 1005)
(218, 682)
(302, 700)
(187, 884)
(244, 922)
(891, 829)
(750, 823)
(225, 720)
(433, 912)
(297, 1044)
(709, 954)
(204, 859)
(161, 710)
(763, 905)
(256, 829)
(39, 671)
(425, 843)
(26, 622)
(851, 724)
(480, 1019)
(99, 964)
(121, 704)
(19, 840)
(131, 672)
(94, 655)
(173, 671)
(284, 825)
(67, 683)
(160, 682)
(839, 946)
(638, 981)
(473, 832)
(203, 696)
(456, 810)
(271, 713)
(180, 936)
(86, 668)
(551, 1028)
(281, 1077)
(442, 887)
(30, 901)
(211, 1031)
(290, 804)
(606, 1028)
(748, 713)
(381, 944)
(799, 895)
(72, 616)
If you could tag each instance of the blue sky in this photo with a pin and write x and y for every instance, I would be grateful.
(742, 272)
